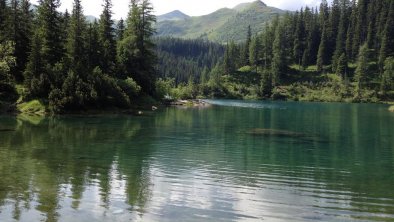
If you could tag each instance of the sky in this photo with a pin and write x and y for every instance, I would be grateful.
(189, 7)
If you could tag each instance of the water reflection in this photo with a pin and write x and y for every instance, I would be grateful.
(87, 164)
(202, 165)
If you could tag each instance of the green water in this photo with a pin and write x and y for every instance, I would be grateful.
(322, 162)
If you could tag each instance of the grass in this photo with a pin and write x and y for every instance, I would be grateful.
(33, 107)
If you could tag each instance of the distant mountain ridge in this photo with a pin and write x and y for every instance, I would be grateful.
(172, 16)
(222, 25)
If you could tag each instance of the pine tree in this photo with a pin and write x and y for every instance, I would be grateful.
(350, 31)
(342, 67)
(340, 47)
(107, 39)
(49, 27)
(360, 33)
(387, 82)
(76, 48)
(136, 50)
(93, 46)
(254, 52)
(21, 29)
(278, 60)
(120, 28)
(362, 68)
(298, 50)
(245, 53)
(321, 56)
(387, 45)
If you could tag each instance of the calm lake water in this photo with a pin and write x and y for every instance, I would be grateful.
(235, 161)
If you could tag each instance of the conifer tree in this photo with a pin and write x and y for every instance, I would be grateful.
(387, 82)
(49, 28)
(362, 68)
(107, 39)
(3, 18)
(245, 52)
(93, 46)
(254, 52)
(342, 66)
(321, 56)
(136, 50)
(76, 48)
(278, 60)
(340, 47)
(387, 45)
(120, 28)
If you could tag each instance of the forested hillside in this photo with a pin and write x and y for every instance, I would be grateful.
(339, 52)
(62, 61)
(185, 60)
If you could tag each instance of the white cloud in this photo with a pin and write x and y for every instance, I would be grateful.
(190, 7)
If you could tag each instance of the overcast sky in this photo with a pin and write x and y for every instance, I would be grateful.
(190, 7)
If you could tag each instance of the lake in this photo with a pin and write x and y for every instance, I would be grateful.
(234, 161)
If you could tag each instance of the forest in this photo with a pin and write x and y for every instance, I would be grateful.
(339, 52)
(343, 51)
(63, 62)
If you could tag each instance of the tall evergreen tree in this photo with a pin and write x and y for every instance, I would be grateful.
(387, 45)
(278, 60)
(245, 51)
(322, 53)
(136, 50)
(107, 39)
(340, 47)
(362, 68)
(93, 45)
(49, 28)
(387, 82)
(254, 52)
(360, 33)
(76, 48)
(120, 28)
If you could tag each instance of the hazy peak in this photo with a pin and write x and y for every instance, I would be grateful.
(249, 5)
(174, 15)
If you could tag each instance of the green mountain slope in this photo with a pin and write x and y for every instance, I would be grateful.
(222, 25)
(172, 16)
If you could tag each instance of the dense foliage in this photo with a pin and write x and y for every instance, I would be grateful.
(340, 52)
(70, 64)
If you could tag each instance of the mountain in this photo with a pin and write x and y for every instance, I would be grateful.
(222, 25)
(172, 16)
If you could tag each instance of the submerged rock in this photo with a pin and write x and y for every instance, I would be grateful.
(391, 109)
(273, 132)
(7, 130)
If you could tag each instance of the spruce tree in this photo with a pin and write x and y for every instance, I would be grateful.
(49, 28)
(322, 53)
(278, 60)
(387, 82)
(76, 48)
(107, 39)
(361, 72)
(93, 46)
(342, 67)
(298, 49)
(120, 28)
(360, 33)
(245, 51)
(3, 18)
(340, 47)
(136, 50)
(387, 45)
(254, 52)
(350, 32)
